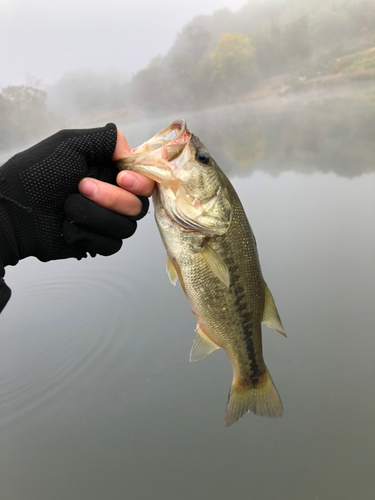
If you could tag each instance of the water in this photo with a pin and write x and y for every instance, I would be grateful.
(97, 397)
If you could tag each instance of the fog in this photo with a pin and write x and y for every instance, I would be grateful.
(304, 71)
(49, 39)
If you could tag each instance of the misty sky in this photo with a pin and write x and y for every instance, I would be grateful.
(49, 38)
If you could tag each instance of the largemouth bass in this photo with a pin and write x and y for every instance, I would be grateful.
(211, 249)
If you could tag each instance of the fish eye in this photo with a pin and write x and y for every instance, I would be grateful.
(203, 157)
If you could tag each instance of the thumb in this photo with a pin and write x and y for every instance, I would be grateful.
(122, 149)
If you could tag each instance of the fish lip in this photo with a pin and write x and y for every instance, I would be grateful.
(180, 124)
(183, 136)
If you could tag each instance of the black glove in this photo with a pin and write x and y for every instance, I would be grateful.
(41, 211)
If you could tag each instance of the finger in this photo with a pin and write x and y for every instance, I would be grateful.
(91, 242)
(135, 183)
(112, 197)
(122, 149)
(84, 213)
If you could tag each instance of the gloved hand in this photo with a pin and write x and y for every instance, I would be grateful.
(41, 211)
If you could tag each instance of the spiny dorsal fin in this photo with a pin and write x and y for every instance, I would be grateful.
(171, 271)
(215, 263)
(202, 345)
(271, 317)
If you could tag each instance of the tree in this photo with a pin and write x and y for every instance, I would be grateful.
(269, 49)
(197, 40)
(25, 117)
(191, 68)
(150, 89)
(297, 39)
(86, 95)
(234, 62)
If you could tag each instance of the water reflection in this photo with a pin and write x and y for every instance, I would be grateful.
(49, 349)
(326, 131)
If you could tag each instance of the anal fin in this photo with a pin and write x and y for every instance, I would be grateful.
(270, 316)
(202, 345)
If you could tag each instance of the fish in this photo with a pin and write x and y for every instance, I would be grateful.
(212, 251)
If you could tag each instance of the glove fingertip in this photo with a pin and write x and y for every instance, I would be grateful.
(145, 207)
(111, 125)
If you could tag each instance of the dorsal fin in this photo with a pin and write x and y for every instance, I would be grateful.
(271, 317)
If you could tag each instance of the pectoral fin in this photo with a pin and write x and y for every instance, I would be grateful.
(202, 345)
(179, 274)
(171, 271)
(215, 263)
(271, 317)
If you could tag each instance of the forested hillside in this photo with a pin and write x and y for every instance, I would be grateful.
(220, 57)
(267, 47)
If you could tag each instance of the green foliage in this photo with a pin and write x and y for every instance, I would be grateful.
(234, 63)
(185, 81)
(297, 39)
(270, 58)
(150, 87)
(233, 57)
(282, 45)
(356, 62)
(190, 70)
(196, 43)
(224, 55)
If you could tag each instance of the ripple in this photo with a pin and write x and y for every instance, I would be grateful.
(69, 327)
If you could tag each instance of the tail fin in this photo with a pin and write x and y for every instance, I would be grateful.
(262, 399)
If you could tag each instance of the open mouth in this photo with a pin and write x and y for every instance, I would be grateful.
(182, 134)
(161, 156)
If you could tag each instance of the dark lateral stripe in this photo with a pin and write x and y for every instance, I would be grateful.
(245, 316)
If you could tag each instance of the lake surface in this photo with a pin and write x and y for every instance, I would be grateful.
(97, 396)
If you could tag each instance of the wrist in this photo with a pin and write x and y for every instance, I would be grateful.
(16, 219)
(9, 254)
(5, 291)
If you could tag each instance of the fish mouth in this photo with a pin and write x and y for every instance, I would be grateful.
(156, 158)
(174, 134)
